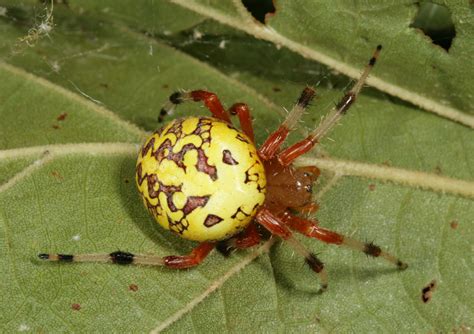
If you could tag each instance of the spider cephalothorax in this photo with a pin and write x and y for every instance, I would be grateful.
(206, 181)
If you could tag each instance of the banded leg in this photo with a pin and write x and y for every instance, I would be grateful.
(277, 227)
(288, 155)
(311, 229)
(172, 261)
(271, 146)
(243, 112)
(248, 238)
(211, 101)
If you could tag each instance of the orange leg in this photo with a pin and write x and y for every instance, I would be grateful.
(311, 229)
(288, 155)
(172, 261)
(273, 142)
(249, 238)
(272, 145)
(243, 112)
(276, 226)
(196, 257)
(211, 101)
(246, 239)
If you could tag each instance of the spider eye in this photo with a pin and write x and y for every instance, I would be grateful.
(309, 188)
(306, 174)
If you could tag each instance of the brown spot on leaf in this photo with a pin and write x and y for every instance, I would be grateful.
(62, 116)
(76, 306)
(56, 174)
(133, 287)
(454, 224)
(427, 291)
(371, 187)
(56, 127)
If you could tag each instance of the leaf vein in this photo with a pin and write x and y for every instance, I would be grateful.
(405, 177)
(213, 287)
(402, 176)
(131, 128)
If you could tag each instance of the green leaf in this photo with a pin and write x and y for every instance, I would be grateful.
(338, 33)
(76, 104)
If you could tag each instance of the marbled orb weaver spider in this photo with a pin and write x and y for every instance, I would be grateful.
(206, 181)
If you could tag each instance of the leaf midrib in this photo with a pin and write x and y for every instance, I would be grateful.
(465, 187)
(415, 179)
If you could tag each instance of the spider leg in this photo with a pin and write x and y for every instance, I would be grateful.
(197, 255)
(271, 146)
(277, 226)
(287, 156)
(211, 101)
(311, 229)
(246, 239)
(243, 112)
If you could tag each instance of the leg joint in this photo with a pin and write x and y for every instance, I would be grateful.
(314, 263)
(176, 98)
(372, 250)
(122, 257)
(346, 102)
(306, 96)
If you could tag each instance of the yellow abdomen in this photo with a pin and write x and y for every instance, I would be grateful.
(201, 178)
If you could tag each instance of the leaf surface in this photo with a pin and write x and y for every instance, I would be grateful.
(337, 35)
(68, 184)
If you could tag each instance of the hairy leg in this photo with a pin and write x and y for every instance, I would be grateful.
(311, 229)
(288, 155)
(243, 113)
(246, 239)
(172, 261)
(210, 100)
(272, 145)
(277, 227)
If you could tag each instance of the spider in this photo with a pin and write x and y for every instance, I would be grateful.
(204, 180)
